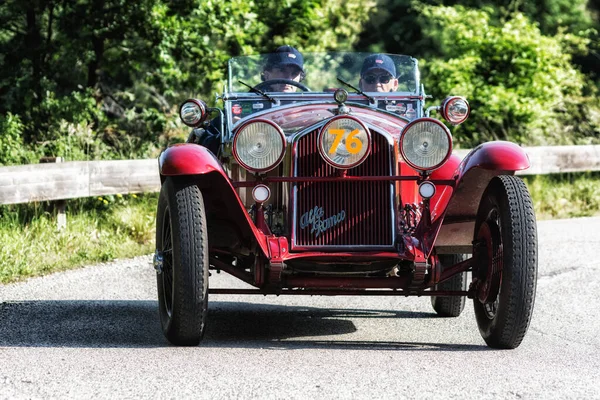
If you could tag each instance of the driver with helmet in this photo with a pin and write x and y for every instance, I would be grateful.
(286, 63)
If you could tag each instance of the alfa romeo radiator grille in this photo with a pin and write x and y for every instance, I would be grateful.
(357, 213)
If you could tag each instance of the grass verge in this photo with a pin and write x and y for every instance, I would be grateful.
(565, 195)
(98, 229)
(102, 229)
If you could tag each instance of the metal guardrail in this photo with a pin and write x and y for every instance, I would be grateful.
(68, 180)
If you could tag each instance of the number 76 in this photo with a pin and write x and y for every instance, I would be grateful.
(353, 144)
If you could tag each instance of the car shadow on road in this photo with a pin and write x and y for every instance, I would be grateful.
(135, 324)
(79, 323)
(251, 325)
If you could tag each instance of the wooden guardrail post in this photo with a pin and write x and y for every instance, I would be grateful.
(59, 205)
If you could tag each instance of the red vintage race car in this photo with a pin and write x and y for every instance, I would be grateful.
(336, 181)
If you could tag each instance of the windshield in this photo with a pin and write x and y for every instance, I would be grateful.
(271, 73)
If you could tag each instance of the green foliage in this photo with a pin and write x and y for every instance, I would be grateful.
(519, 82)
(554, 15)
(193, 56)
(197, 40)
(12, 150)
(313, 25)
(395, 25)
(31, 244)
(101, 78)
(565, 195)
(76, 107)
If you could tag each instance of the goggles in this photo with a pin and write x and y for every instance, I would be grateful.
(371, 79)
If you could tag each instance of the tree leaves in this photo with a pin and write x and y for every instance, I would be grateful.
(117, 65)
(518, 80)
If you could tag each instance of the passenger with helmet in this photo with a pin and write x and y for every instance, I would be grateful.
(378, 74)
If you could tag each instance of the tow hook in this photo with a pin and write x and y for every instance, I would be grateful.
(158, 261)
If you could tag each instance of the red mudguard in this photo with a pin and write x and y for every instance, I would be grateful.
(457, 207)
(188, 159)
(200, 164)
(499, 155)
(473, 174)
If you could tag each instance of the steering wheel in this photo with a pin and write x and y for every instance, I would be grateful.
(264, 85)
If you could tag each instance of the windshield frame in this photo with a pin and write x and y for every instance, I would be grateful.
(235, 61)
(260, 105)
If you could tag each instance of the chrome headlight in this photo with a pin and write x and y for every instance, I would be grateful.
(259, 145)
(456, 110)
(425, 144)
(344, 142)
(193, 112)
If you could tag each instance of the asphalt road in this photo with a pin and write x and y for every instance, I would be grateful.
(94, 333)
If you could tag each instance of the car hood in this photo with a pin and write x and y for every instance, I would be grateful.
(296, 118)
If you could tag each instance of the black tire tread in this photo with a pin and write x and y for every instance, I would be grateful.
(519, 278)
(190, 263)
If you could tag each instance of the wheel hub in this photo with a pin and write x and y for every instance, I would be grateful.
(158, 261)
(491, 309)
(489, 257)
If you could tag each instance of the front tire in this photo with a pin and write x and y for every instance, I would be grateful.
(182, 242)
(506, 262)
(451, 306)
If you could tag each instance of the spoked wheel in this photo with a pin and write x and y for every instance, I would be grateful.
(182, 262)
(165, 281)
(450, 306)
(505, 255)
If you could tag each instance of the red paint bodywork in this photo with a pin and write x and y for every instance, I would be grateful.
(310, 114)
(457, 206)
(500, 157)
(199, 164)
(458, 197)
(188, 159)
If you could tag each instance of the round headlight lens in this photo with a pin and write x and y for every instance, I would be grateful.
(456, 110)
(193, 112)
(425, 144)
(259, 146)
(344, 142)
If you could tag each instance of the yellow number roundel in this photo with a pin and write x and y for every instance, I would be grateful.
(344, 142)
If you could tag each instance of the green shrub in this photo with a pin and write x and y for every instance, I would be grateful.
(12, 149)
(520, 83)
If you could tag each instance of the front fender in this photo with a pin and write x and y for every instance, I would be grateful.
(472, 175)
(459, 207)
(477, 169)
(499, 155)
(188, 159)
(224, 207)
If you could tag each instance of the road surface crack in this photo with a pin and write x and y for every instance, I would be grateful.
(567, 339)
(563, 271)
